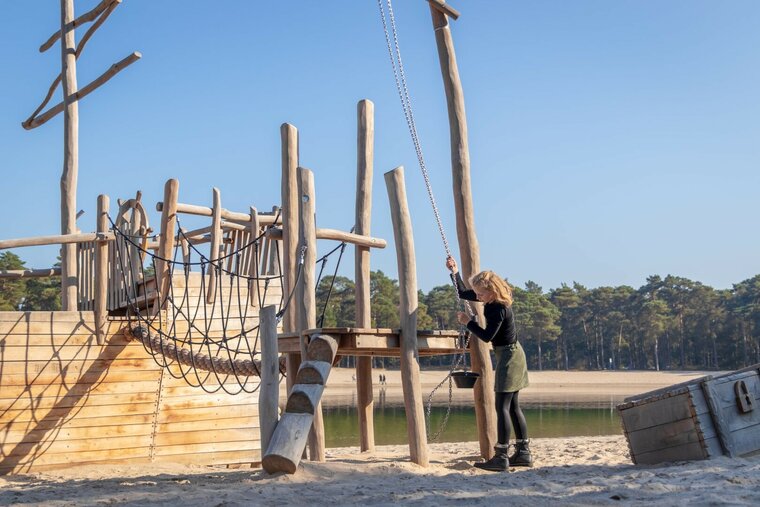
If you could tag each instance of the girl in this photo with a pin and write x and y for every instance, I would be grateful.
(511, 368)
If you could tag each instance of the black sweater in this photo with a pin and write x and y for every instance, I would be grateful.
(500, 321)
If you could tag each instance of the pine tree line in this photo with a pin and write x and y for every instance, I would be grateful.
(668, 323)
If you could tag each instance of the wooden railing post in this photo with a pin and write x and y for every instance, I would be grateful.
(101, 271)
(166, 241)
(364, 167)
(270, 371)
(306, 297)
(407, 280)
(253, 266)
(216, 244)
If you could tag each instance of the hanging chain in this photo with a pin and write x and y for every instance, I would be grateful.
(406, 104)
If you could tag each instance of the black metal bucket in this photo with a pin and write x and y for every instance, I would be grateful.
(465, 379)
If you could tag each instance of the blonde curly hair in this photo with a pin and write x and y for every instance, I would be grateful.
(491, 281)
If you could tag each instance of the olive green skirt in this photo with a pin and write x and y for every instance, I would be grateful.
(511, 368)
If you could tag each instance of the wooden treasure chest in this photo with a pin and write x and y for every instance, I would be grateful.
(700, 419)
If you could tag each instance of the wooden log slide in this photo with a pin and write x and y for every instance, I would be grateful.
(292, 431)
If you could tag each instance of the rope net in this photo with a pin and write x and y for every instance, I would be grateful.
(207, 329)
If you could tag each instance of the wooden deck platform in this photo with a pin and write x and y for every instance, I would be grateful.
(376, 341)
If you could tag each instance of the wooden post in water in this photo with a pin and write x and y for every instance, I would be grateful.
(290, 199)
(407, 280)
(101, 271)
(305, 296)
(364, 167)
(469, 249)
(270, 371)
(166, 241)
(70, 156)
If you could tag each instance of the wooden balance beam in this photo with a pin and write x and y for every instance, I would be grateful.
(383, 342)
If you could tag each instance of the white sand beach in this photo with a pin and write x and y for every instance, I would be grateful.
(568, 471)
(571, 471)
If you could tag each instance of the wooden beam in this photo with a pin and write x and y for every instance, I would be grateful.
(444, 8)
(336, 235)
(80, 48)
(58, 239)
(13, 274)
(408, 305)
(469, 249)
(91, 87)
(205, 211)
(270, 371)
(101, 272)
(365, 140)
(84, 18)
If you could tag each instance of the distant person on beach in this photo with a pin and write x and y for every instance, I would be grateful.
(511, 367)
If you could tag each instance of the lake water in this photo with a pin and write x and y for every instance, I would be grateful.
(546, 420)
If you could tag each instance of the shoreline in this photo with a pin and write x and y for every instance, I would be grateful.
(576, 388)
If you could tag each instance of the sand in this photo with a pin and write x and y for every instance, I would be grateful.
(572, 471)
(568, 471)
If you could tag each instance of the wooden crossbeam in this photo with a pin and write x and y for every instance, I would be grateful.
(442, 6)
(381, 342)
(99, 9)
(82, 93)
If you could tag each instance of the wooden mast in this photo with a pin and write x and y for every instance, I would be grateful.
(364, 166)
(70, 156)
(469, 249)
(289, 194)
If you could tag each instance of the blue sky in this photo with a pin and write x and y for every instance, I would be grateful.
(609, 140)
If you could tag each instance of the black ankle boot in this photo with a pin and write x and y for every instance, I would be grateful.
(521, 456)
(499, 462)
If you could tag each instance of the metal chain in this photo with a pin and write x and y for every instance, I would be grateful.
(406, 104)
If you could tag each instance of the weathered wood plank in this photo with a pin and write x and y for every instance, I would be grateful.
(687, 452)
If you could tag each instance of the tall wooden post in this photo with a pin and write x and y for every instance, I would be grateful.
(70, 157)
(364, 167)
(289, 195)
(407, 280)
(270, 371)
(469, 250)
(166, 241)
(101, 271)
(306, 295)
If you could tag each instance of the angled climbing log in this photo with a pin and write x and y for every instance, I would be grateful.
(408, 305)
(469, 249)
(292, 432)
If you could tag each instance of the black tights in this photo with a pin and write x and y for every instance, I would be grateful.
(507, 408)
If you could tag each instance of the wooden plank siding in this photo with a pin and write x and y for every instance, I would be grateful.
(66, 400)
